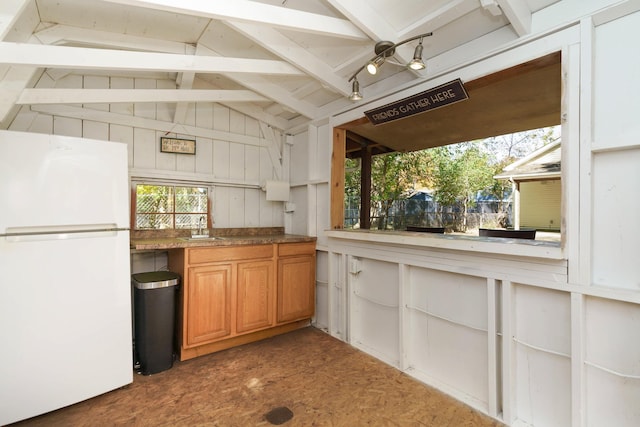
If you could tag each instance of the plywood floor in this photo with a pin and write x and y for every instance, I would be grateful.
(323, 381)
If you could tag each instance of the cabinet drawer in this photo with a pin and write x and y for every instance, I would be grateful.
(292, 249)
(230, 253)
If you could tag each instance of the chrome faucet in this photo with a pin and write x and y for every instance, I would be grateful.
(200, 221)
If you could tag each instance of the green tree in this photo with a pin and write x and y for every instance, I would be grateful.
(394, 175)
(462, 170)
(457, 172)
(152, 202)
(500, 189)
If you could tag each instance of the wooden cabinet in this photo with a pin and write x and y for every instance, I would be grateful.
(208, 303)
(232, 295)
(254, 296)
(296, 281)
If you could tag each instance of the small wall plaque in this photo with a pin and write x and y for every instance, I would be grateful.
(177, 145)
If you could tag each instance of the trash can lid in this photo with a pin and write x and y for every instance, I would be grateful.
(155, 279)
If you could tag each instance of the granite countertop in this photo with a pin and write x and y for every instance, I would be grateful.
(224, 237)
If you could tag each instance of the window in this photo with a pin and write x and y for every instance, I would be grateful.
(495, 109)
(463, 187)
(168, 206)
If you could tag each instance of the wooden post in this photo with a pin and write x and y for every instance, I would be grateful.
(365, 188)
(337, 178)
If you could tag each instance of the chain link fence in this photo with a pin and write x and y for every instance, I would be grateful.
(426, 213)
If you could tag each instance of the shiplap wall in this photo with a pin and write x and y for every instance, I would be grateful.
(232, 155)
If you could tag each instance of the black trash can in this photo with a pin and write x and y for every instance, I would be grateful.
(154, 319)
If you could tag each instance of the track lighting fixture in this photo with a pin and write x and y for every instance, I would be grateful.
(355, 91)
(383, 50)
(417, 63)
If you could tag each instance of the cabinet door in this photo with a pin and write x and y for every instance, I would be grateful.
(255, 295)
(296, 288)
(209, 304)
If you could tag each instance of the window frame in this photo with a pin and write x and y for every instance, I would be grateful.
(340, 128)
(135, 182)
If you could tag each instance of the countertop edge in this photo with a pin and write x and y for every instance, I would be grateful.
(178, 243)
(494, 245)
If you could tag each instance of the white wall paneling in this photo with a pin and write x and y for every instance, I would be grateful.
(374, 310)
(447, 332)
(96, 82)
(509, 347)
(144, 261)
(300, 155)
(94, 130)
(612, 362)
(404, 339)
(575, 165)
(338, 296)
(221, 159)
(68, 127)
(322, 213)
(299, 196)
(507, 352)
(577, 360)
(145, 148)
(615, 155)
(312, 210)
(166, 111)
(221, 208)
(321, 317)
(144, 109)
(232, 151)
(124, 134)
(542, 356)
(121, 83)
(615, 124)
(236, 203)
(203, 161)
(615, 230)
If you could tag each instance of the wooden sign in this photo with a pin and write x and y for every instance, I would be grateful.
(446, 94)
(177, 145)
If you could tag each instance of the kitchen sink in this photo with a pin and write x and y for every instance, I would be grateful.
(200, 238)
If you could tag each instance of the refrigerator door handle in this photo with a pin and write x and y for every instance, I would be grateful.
(25, 234)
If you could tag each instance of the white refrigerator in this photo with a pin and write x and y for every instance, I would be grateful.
(65, 293)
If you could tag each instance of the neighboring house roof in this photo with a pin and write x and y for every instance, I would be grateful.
(421, 194)
(545, 162)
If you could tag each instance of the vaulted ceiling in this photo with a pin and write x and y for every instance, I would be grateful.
(283, 62)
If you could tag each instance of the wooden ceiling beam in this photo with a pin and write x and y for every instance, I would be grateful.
(265, 87)
(112, 96)
(293, 53)
(355, 143)
(106, 59)
(10, 11)
(250, 11)
(518, 14)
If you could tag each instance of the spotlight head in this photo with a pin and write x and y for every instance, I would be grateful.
(417, 63)
(372, 67)
(355, 91)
